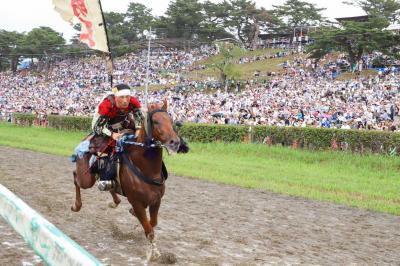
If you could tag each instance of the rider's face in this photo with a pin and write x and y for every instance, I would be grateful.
(122, 101)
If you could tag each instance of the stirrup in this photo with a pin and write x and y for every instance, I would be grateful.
(106, 185)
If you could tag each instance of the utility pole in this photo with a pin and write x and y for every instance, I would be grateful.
(149, 36)
(300, 39)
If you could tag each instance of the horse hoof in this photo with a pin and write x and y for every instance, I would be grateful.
(76, 208)
(153, 254)
(156, 255)
(112, 205)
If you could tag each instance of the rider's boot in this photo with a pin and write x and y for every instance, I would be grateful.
(107, 170)
(106, 185)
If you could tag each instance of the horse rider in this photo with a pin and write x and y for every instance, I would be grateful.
(115, 113)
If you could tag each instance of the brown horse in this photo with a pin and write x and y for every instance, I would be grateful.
(143, 189)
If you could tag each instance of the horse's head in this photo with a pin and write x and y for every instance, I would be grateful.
(160, 126)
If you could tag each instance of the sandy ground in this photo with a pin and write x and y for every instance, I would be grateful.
(200, 223)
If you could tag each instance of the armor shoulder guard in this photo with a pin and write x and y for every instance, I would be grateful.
(106, 106)
(101, 126)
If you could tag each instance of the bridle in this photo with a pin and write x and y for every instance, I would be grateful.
(150, 142)
(149, 129)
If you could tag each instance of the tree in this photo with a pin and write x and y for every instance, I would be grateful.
(213, 23)
(41, 41)
(296, 13)
(263, 20)
(183, 18)
(224, 63)
(246, 20)
(116, 27)
(139, 18)
(357, 38)
(120, 33)
(194, 20)
(9, 42)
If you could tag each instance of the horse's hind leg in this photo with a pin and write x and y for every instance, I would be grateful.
(83, 178)
(78, 201)
(116, 200)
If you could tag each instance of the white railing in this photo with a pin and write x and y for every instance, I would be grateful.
(52, 245)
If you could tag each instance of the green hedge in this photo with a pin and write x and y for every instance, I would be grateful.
(309, 138)
(322, 138)
(23, 119)
(211, 133)
(70, 122)
(56, 121)
(361, 141)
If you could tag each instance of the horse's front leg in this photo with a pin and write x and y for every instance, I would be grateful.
(140, 212)
(153, 209)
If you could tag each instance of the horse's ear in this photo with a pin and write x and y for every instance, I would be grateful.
(165, 104)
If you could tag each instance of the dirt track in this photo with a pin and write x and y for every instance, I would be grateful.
(200, 223)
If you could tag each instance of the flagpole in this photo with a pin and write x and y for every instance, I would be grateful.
(109, 63)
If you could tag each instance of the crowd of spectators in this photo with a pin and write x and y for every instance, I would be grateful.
(266, 56)
(304, 94)
(74, 86)
(301, 100)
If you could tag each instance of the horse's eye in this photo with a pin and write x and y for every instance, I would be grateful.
(155, 122)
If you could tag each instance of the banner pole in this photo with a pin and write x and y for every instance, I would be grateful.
(109, 59)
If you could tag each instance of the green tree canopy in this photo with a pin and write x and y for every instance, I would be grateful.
(357, 38)
(224, 62)
(213, 26)
(121, 32)
(41, 41)
(183, 18)
(138, 18)
(296, 13)
(245, 20)
(8, 45)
